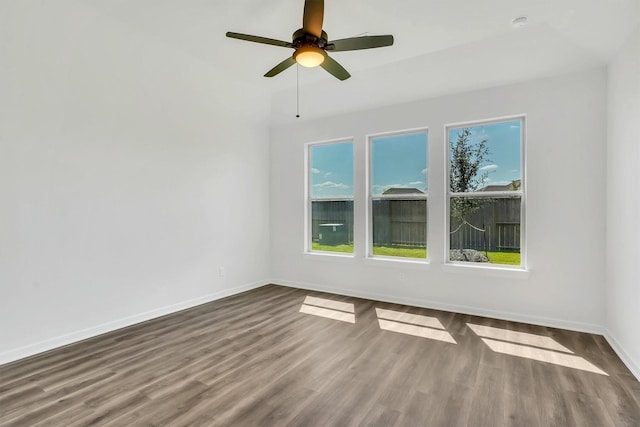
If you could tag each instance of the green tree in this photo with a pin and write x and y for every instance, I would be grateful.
(465, 175)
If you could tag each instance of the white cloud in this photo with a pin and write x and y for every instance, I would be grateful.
(416, 183)
(331, 184)
(489, 168)
(328, 174)
(314, 170)
(424, 171)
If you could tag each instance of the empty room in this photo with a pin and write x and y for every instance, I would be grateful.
(319, 213)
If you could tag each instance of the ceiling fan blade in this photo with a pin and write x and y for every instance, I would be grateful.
(280, 67)
(313, 17)
(335, 69)
(258, 39)
(359, 43)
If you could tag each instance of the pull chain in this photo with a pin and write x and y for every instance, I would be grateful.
(297, 91)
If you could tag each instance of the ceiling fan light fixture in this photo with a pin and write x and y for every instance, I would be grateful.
(309, 56)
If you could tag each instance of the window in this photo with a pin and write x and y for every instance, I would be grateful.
(330, 197)
(486, 192)
(398, 195)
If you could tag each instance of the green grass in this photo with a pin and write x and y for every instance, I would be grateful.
(339, 248)
(501, 258)
(504, 258)
(397, 251)
(401, 251)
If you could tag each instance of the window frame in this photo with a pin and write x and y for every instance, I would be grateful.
(370, 197)
(308, 210)
(521, 193)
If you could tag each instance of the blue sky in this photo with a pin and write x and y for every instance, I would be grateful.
(332, 170)
(401, 161)
(503, 140)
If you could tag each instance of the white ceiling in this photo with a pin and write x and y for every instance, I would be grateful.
(440, 46)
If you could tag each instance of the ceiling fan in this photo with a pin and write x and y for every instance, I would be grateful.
(311, 43)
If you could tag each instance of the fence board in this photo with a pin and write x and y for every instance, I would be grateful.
(332, 212)
(404, 222)
(499, 217)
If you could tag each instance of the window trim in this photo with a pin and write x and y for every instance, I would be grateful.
(308, 223)
(370, 257)
(521, 194)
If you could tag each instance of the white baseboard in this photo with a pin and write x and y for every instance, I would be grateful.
(622, 354)
(435, 305)
(60, 341)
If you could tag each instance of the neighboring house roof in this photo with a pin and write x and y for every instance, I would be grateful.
(399, 190)
(506, 187)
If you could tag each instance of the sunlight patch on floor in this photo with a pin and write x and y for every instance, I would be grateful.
(414, 319)
(518, 337)
(534, 347)
(327, 303)
(336, 310)
(413, 324)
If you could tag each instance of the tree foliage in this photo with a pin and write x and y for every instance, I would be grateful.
(465, 175)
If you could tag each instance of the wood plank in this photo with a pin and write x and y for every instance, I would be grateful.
(254, 359)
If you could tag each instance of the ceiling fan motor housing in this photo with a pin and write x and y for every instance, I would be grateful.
(300, 39)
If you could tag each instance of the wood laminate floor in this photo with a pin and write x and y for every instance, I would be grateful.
(278, 356)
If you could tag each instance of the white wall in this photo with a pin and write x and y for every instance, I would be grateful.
(131, 171)
(128, 175)
(623, 204)
(566, 125)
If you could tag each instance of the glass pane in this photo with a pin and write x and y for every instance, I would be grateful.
(331, 172)
(332, 225)
(400, 228)
(399, 166)
(485, 230)
(331, 179)
(486, 157)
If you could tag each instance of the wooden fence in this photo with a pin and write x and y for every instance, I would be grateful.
(500, 220)
(400, 222)
(495, 226)
(332, 212)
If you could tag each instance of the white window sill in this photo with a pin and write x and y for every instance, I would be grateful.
(487, 271)
(412, 263)
(328, 256)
